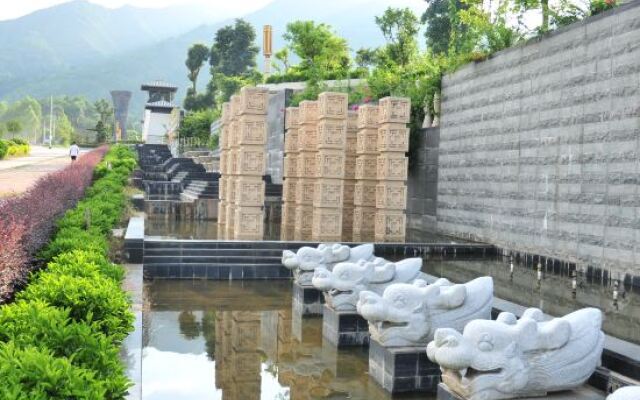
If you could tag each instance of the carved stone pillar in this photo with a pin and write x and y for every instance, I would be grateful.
(330, 167)
(349, 176)
(290, 174)
(224, 144)
(306, 164)
(364, 199)
(392, 166)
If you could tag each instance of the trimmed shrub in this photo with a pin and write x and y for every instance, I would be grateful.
(4, 148)
(85, 264)
(96, 300)
(71, 238)
(36, 324)
(35, 374)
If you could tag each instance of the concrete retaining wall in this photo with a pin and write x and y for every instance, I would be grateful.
(540, 146)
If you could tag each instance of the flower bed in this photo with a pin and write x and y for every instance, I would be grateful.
(60, 339)
(27, 221)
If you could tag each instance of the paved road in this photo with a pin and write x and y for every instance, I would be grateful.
(18, 174)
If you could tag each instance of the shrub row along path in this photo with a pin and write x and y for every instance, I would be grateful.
(18, 174)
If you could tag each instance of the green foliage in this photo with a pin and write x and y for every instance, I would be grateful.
(282, 56)
(37, 324)
(196, 56)
(13, 127)
(64, 132)
(31, 373)
(442, 24)
(399, 27)
(598, 6)
(234, 51)
(17, 150)
(85, 264)
(96, 301)
(4, 148)
(198, 124)
(320, 50)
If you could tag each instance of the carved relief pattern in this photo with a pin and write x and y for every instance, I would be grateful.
(252, 162)
(308, 112)
(332, 105)
(390, 225)
(291, 140)
(393, 138)
(291, 117)
(364, 219)
(391, 196)
(330, 165)
(392, 167)
(364, 194)
(368, 116)
(328, 193)
(367, 141)
(290, 165)
(394, 109)
(366, 167)
(289, 189)
(253, 131)
(350, 168)
(331, 134)
(249, 193)
(304, 191)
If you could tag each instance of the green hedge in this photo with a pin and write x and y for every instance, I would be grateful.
(14, 147)
(60, 339)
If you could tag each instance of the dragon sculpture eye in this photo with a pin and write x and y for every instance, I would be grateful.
(485, 343)
(400, 301)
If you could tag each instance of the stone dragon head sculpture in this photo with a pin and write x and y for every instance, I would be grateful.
(342, 285)
(509, 358)
(307, 259)
(626, 393)
(409, 314)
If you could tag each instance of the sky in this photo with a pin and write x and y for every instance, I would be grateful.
(10, 9)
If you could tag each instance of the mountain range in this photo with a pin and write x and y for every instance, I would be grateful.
(79, 48)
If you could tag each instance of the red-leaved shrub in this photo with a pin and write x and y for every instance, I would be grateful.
(27, 220)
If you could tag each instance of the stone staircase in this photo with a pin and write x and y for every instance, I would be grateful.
(217, 260)
(206, 158)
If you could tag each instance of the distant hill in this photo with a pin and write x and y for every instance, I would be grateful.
(143, 50)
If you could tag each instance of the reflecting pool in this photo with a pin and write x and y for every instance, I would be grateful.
(240, 340)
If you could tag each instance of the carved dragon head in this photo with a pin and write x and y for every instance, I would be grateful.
(310, 258)
(345, 282)
(626, 393)
(408, 314)
(504, 358)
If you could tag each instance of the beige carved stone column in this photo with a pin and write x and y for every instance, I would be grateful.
(232, 166)
(349, 176)
(223, 197)
(392, 166)
(330, 166)
(251, 137)
(306, 163)
(364, 200)
(290, 183)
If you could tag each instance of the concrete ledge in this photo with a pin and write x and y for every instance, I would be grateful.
(344, 329)
(134, 240)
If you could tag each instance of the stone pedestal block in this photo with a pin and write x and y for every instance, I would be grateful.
(307, 137)
(368, 116)
(306, 163)
(392, 167)
(304, 191)
(393, 138)
(332, 134)
(350, 167)
(327, 224)
(249, 191)
(395, 110)
(366, 167)
(253, 100)
(333, 105)
(330, 164)
(390, 226)
(328, 193)
(304, 222)
(364, 221)
(252, 130)
(251, 161)
(307, 300)
(403, 369)
(290, 165)
(307, 112)
(222, 212)
(367, 141)
(364, 193)
(291, 118)
(245, 335)
(344, 329)
(232, 162)
(289, 187)
(249, 223)
(234, 132)
(391, 195)
(291, 140)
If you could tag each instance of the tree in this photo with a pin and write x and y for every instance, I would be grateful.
(104, 110)
(14, 127)
(198, 125)
(64, 130)
(366, 57)
(101, 132)
(196, 56)
(321, 52)
(234, 52)
(439, 18)
(399, 27)
(541, 5)
(282, 55)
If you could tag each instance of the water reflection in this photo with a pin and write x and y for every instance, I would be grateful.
(240, 340)
(553, 294)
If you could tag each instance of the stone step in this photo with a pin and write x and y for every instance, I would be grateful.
(216, 272)
(214, 252)
(214, 260)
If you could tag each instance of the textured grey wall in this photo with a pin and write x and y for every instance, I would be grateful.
(422, 184)
(275, 138)
(540, 146)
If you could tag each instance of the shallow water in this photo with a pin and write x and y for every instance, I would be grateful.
(239, 340)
